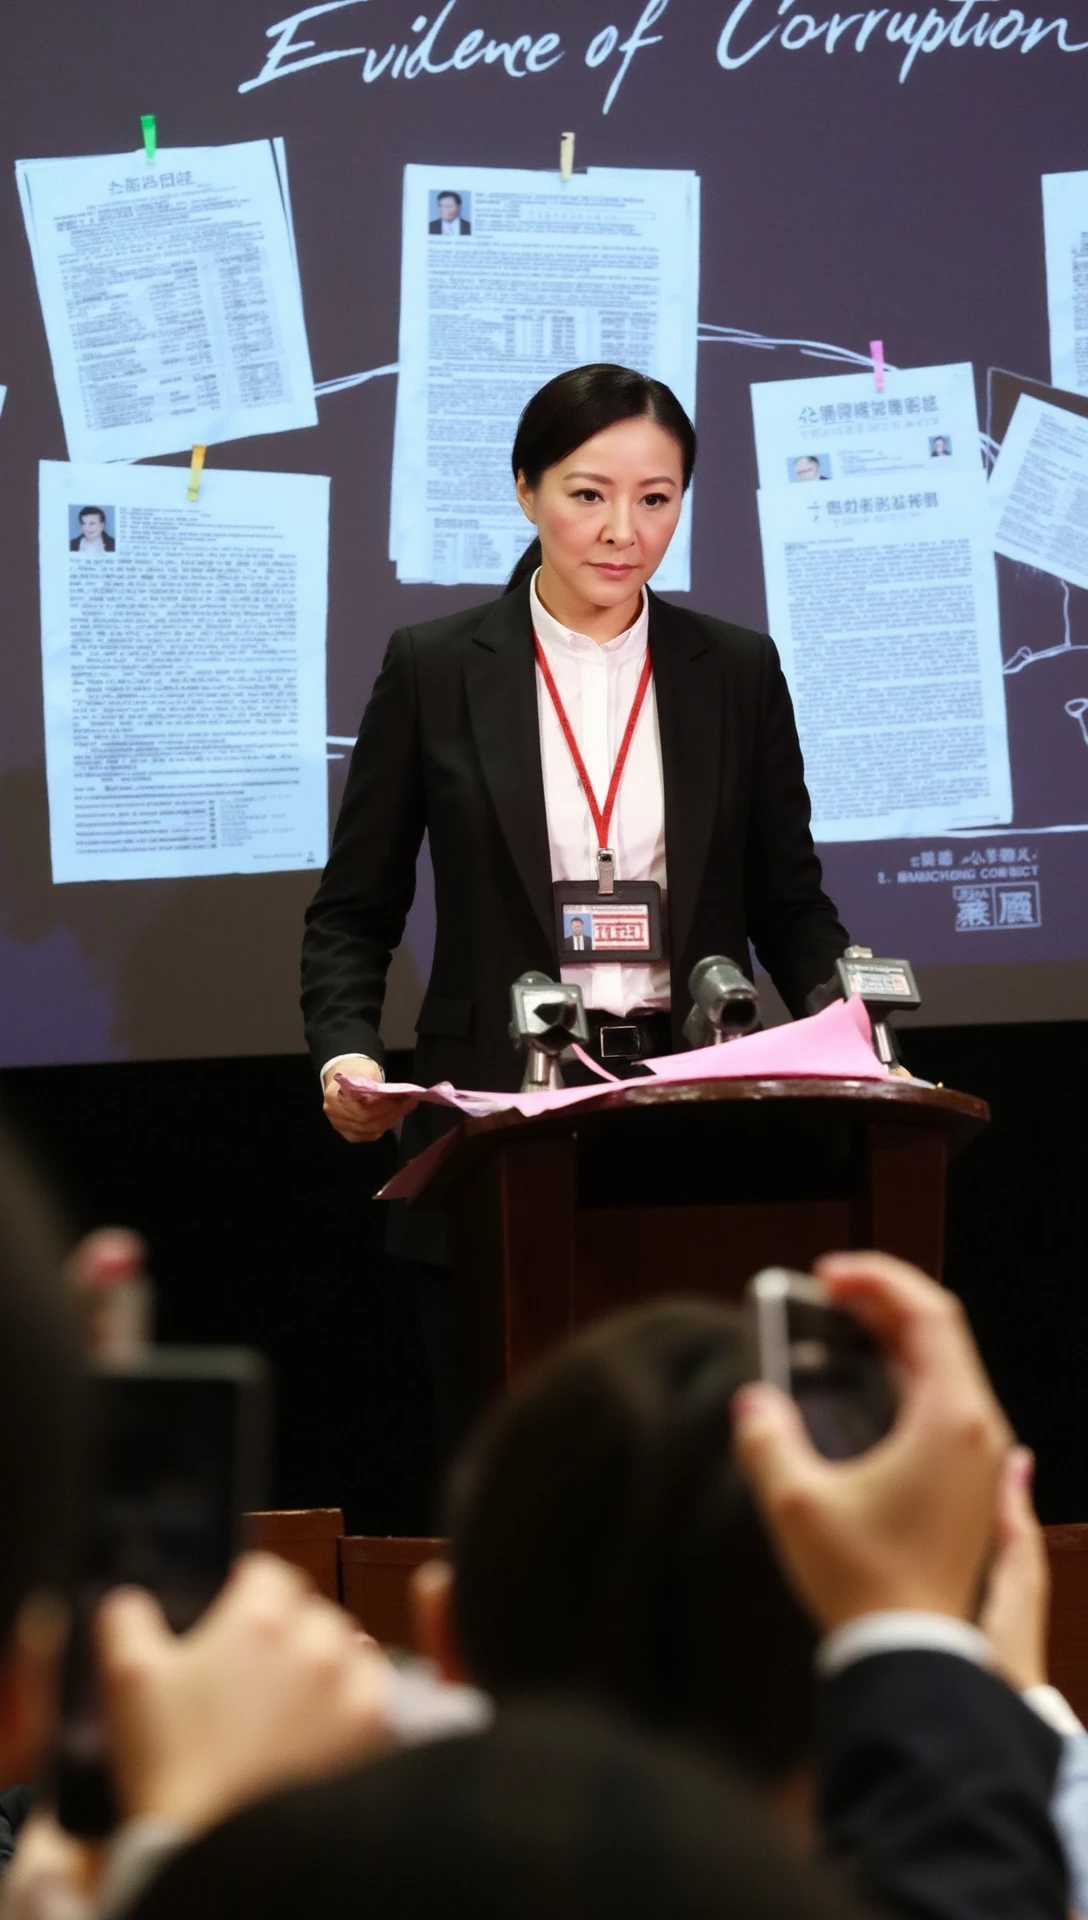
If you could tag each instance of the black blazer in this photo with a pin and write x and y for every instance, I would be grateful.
(464, 226)
(450, 746)
(108, 542)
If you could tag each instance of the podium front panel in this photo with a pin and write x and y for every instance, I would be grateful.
(562, 1218)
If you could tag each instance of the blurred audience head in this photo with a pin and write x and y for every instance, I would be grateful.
(555, 1813)
(41, 1447)
(605, 1546)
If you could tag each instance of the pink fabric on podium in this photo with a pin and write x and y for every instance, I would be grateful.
(833, 1045)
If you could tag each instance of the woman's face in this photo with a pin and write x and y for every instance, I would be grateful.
(606, 513)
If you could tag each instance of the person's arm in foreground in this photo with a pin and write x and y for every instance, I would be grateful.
(934, 1776)
(1015, 1617)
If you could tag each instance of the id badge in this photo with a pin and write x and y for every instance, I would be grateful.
(593, 928)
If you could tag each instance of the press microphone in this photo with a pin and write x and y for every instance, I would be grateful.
(726, 1002)
(546, 1015)
(885, 986)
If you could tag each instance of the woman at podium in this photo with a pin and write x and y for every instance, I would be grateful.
(577, 749)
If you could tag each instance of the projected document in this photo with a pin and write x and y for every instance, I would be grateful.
(1065, 226)
(1038, 491)
(883, 600)
(171, 297)
(183, 668)
(509, 277)
(840, 427)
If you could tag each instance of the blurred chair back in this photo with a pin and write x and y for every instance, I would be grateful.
(309, 1538)
(370, 1574)
(375, 1574)
(1067, 1550)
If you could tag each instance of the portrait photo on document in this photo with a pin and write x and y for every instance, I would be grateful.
(450, 212)
(803, 467)
(92, 530)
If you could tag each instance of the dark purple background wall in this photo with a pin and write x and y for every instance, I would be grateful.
(838, 204)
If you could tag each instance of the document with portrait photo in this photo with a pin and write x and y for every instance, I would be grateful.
(183, 671)
(839, 426)
(509, 277)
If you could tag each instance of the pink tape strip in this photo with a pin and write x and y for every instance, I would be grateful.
(876, 348)
(593, 1065)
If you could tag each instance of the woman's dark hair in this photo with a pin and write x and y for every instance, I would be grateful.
(605, 1546)
(576, 405)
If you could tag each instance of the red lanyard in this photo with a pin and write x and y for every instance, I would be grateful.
(602, 818)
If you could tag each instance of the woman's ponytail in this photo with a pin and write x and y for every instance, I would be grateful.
(526, 566)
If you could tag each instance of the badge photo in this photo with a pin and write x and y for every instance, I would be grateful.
(603, 928)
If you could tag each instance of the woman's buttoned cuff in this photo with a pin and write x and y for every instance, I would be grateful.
(338, 1060)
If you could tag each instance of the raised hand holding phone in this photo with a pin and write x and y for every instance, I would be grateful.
(907, 1523)
(273, 1685)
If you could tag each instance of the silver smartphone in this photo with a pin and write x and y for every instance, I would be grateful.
(825, 1359)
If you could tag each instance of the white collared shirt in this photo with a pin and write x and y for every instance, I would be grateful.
(597, 685)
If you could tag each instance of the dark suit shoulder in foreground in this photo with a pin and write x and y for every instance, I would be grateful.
(935, 1784)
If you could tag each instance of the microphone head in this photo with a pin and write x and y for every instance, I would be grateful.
(546, 1014)
(724, 995)
(886, 986)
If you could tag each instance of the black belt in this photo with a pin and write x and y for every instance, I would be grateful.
(628, 1036)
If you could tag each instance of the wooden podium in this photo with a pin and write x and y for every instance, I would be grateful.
(563, 1217)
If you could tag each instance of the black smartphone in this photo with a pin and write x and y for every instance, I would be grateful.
(825, 1359)
(181, 1452)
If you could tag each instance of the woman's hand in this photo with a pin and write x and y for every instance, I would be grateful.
(356, 1119)
(273, 1685)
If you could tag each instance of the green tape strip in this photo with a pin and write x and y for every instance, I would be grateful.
(147, 122)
